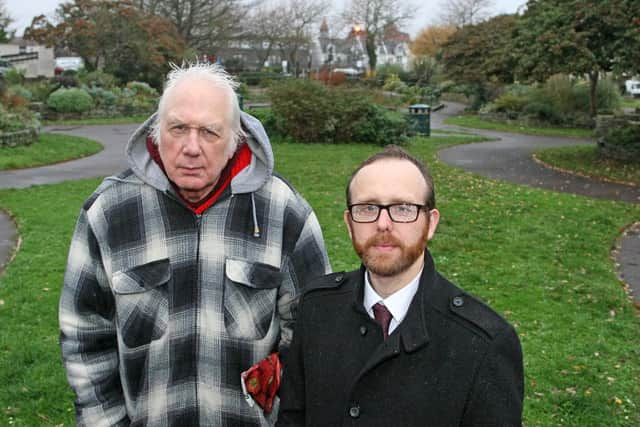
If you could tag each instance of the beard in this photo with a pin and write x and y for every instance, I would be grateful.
(390, 264)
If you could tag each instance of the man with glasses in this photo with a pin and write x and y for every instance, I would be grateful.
(395, 343)
(184, 270)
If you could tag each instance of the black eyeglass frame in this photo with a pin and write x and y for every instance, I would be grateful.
(387, 208)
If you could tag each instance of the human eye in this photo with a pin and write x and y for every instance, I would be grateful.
(178, 129)
(209, 133)
(404, 210)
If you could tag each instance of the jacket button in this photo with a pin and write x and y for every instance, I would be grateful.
(338, 278)
(363, 330)
(354, 411)
(458, 301)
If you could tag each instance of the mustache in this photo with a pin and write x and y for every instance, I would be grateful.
(383, 239)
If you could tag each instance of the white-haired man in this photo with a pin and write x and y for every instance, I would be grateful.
(183, 270)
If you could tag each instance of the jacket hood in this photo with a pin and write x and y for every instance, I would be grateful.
(248, 180)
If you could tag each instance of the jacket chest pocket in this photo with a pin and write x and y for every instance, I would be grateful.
(142, 302)
(250, 293)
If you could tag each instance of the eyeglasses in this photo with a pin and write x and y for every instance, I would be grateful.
(205, 133)
(398, 212)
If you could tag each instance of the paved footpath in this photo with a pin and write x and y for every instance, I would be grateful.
(508, 159)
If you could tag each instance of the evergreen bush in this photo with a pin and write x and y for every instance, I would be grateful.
(70, 100)
(307, 111)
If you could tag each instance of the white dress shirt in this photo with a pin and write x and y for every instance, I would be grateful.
(397, 303)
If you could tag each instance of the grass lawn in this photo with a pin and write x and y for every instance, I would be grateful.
(540, 258)
(585, 160)
(472, 121)
(49, 148)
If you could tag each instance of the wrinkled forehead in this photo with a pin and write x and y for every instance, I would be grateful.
(198, 101)
(389, 180)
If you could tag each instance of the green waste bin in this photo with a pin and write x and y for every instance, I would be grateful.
(420, 116)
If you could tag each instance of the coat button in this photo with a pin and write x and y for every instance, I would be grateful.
(338, 278)
(458, 301)
(354, 411)
(363, 330)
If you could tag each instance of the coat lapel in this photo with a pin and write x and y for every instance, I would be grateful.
(412, 333)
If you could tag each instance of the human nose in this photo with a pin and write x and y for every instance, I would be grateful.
(384, 221)
(191, 143)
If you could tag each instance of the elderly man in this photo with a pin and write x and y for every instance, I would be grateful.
(394, 343)
(184, 269)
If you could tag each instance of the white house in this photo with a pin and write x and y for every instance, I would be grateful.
(34, 59)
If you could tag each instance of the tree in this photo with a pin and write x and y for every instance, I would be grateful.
(579, 37)
(431, 39)
(459, 13)
(286, 25)
(374, 17)
(205, 25)
(112, 35)
(298, 17)
(482, 53)
(5, 21)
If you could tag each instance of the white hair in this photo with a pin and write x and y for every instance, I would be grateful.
(213, 74)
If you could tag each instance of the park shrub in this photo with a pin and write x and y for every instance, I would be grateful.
(393, 84)
(260, 78)
(14, 76)
(307, 111)
(40, 89)
(621, 142)
(70, 100)
(137, 98)
(16, 97)
(17, 119)
(302, 109)
(66, 79)
(561, 101)
(97, 78)
(103, 98)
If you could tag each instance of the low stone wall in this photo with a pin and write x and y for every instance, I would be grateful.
(21, 137)
(626, 151)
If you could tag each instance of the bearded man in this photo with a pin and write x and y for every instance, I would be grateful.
(395, 343)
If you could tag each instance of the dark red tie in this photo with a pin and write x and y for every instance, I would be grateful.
(383, 316)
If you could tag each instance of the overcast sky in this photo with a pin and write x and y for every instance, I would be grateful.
(23, 11)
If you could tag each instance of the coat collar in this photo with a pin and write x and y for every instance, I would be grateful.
(412, 332)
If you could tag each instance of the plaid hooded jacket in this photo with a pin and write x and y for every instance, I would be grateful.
(162, 309)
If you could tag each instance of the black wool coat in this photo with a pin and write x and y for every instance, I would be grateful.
(451, 362)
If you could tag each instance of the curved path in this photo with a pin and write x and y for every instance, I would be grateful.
(507, 159)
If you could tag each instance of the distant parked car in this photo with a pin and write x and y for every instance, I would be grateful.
(64, 63)
(633, 87)
(5, 66)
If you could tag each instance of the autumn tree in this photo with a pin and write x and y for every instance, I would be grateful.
(205, 25)
(482, 53)
(111, 35)
(374, 17)
(431, 39)
(579, 37)
(459, 13)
